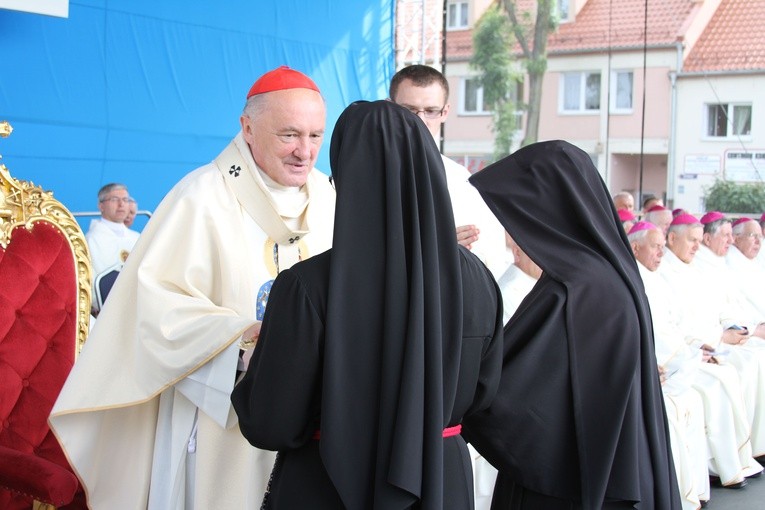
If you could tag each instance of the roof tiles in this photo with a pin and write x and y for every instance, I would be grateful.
(733, 39)
(602, 24)
(620, 24)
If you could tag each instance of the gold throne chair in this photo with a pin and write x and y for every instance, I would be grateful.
(45, 285)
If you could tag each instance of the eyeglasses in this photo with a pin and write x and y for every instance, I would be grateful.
(753, 235)
(116, 200)
(428, 113)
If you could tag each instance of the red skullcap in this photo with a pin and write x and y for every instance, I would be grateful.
(642, 225)
(657, 208)
(625, 215)
(685, 219)
(282, 78)
(711, 217)
(677, 211)
(762, 218)
(741, 220)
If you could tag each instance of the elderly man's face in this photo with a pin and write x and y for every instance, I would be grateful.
(625, 202)
(649, 250)
(661, 219)
(132, 211)
(720, 241)
(286, 135)
(749, 240)
(685, 243)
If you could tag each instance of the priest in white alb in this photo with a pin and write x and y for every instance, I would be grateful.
(705, 408)
(145, 417)
(747, 273)
(743, 330)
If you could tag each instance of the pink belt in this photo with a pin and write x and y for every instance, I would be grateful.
(447, 432)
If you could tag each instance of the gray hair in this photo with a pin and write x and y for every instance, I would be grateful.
(651, 215)
(713, 226)
(254, 106)
(638, 236)
(739, 229)
(679, 229)
(258, 103)
(105, 190)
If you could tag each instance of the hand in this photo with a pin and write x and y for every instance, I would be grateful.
(662, 374)
(251, 335)
(467, 235)
(706, 353)
(759, 331)
(735, 336)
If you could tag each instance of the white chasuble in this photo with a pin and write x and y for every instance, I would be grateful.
(145, 417)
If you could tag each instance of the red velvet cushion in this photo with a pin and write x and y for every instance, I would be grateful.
(51, 484)
(38, 307)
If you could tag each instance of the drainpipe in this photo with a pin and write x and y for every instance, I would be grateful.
(672, 149)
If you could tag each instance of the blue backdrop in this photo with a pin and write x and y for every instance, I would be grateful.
(144, 91)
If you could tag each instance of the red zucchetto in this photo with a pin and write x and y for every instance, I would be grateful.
(657, 208)
(642, 225)
(281, 78)
(685, 219)
(712, 217)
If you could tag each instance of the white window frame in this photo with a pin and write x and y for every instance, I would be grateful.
(730, 115)
(582, 110)
(563, 17)
(479, 99)
(614, 89)
(454, 19)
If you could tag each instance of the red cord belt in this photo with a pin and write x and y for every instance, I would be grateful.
(447, 432)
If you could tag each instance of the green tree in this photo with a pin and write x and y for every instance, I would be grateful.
(492, 36)
(530, 30)
(728, 196)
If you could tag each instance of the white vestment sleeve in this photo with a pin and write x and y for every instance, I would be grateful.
(209, 387)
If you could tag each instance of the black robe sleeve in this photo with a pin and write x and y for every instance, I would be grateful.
(275, 410)
(482, 332)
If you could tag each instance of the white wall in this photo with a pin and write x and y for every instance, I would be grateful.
(700, 160)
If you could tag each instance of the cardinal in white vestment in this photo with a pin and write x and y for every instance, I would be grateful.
(145, 417)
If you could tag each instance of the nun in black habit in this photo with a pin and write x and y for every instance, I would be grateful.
(579, 420)
(371, 353)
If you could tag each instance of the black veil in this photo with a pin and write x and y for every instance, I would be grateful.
(394, 312)
(579, 414)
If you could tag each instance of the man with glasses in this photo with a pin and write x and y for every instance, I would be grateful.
(713, 318)
(424, 91)
(109, 240)
(746, 271)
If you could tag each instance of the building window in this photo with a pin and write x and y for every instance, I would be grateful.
(457, 15)
(621, 91)
(580, 92)
(727, 119)
(563, 10)
(472, 97)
